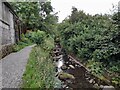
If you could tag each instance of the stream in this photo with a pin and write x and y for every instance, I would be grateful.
(71, 74)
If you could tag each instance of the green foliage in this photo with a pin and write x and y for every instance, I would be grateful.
(36, 15)
(46, 8)
(40, 69)
(92, 38)
(37, 37)
(21, 44)
(28, 12)
(95, 66)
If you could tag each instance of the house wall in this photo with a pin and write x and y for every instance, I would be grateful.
(0, 22)
(7, 31)
(7, 25)
(12, 30)
(1, 33)
(0, 29)
(6, 34)
(0, 9)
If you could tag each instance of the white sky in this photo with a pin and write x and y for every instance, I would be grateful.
(88, 6)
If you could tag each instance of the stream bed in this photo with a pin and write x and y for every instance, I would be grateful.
(71, 74)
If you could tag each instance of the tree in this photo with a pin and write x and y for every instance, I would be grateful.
(76, 15)
(35, 15)
(95, 39)
(28, 13)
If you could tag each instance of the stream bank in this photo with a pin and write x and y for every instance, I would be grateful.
(73, 74)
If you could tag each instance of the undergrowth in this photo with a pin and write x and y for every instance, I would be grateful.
(22, 43)
(40, 69)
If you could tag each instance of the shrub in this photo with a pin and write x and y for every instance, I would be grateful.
(22, 43)
(92, 38)
(37, 37)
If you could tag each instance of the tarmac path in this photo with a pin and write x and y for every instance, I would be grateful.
(12, 68)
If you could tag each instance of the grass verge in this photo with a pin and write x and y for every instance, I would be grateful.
(20, 45)
(40, 69)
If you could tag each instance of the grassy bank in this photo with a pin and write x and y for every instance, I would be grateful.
(40, 70)
(22, 43)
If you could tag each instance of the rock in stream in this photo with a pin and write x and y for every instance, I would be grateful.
(72, 74)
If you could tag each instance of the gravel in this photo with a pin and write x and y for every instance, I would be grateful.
(13, 67)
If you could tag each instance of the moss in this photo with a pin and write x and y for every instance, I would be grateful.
(65, 76)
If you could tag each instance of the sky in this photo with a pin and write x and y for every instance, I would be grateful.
(63, 7)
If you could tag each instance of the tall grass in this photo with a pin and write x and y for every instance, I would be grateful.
(40, 69)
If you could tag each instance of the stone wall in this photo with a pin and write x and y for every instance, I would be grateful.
(7, 30)
(0, 51)
(5, 50)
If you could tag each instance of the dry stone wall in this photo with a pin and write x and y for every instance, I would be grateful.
(5, 50)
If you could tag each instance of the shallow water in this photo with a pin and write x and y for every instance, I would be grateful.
(83, 77)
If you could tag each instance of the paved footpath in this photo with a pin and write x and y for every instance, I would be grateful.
(13, 67)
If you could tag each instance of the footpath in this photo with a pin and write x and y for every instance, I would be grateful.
(12, 68)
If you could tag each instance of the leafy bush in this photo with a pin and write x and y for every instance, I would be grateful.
(92, 38)
(22, 43)
(95, 66)
(37, 37)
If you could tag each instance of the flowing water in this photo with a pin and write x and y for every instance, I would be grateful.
(71, 74)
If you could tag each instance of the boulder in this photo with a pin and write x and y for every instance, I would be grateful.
(65, 76)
